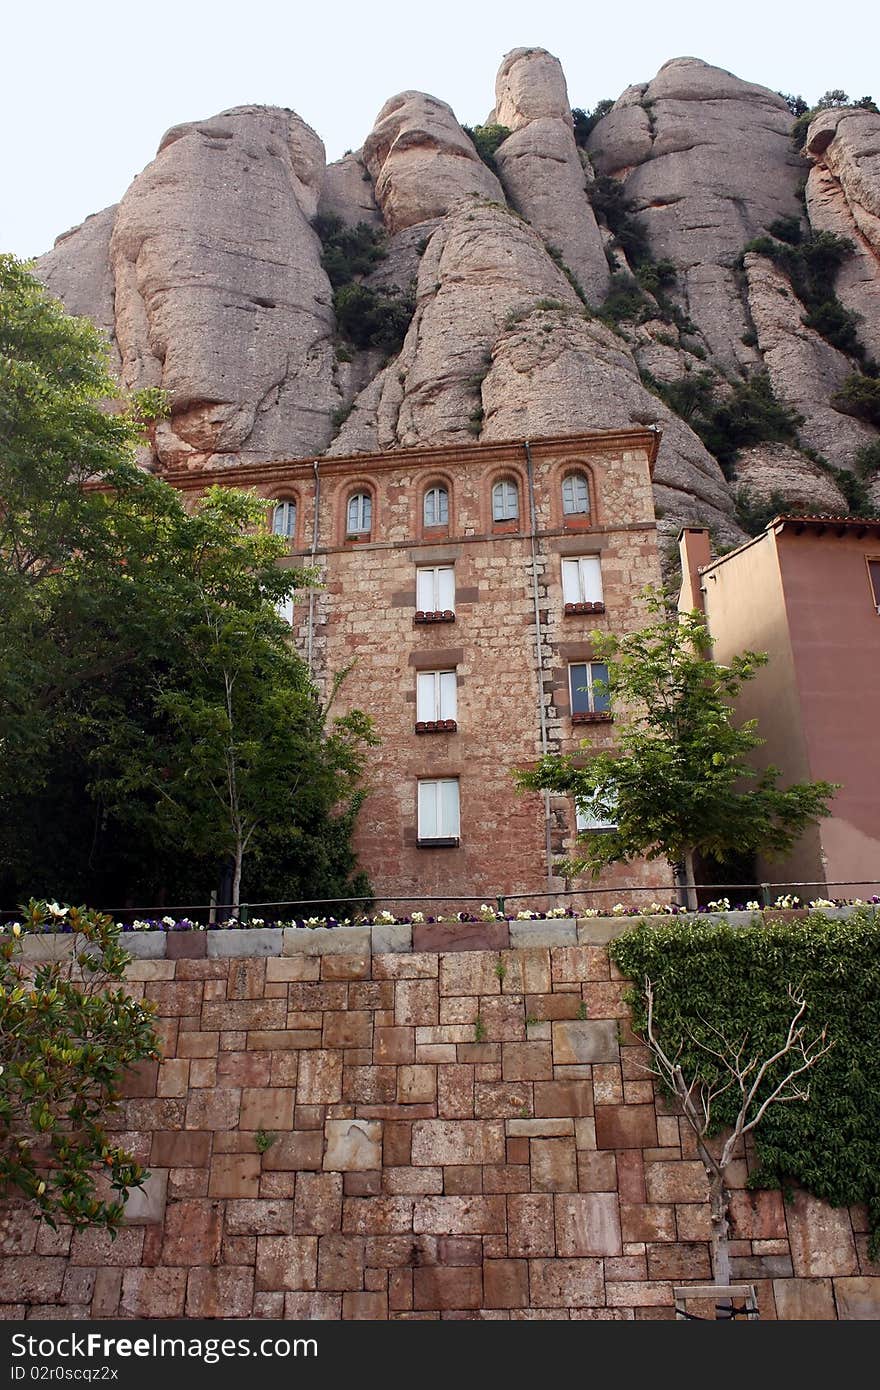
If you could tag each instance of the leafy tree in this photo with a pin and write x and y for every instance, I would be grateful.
(487, 139)
(585, 121)
(679, 783)
(230, 748)
(68, 1031)
(122, 615)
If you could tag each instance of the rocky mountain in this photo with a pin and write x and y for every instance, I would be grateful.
(679, 261)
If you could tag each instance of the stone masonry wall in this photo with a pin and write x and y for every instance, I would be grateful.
(363, 620)
(458, 1133)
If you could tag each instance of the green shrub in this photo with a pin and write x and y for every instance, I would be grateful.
(755, 513)
(373, 318)
(787, 229)
(585, 121)
(70, 1032)
(349, 251)
(486, 140)
(656, 275)
(868, 460)
(611, 206)
(625, 300)
(736, 981)
(811, 263)
(751, 414)
(860, 396)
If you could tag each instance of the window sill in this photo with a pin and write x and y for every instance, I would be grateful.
(445, 615)
(506, 528)
(445, 842)
(575, 608)
(593, 717)
(357, 537)
(436, 726)
(577, 521)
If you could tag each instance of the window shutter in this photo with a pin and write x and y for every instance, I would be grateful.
(600, 699)
(590, 578)
(571, 591)
(580, 695)
(448, 695)
(425, 590)
(425, 702)
(428, 811)
(446, 588)
(448, 807)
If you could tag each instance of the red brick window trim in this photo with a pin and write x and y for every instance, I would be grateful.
(436, 726)
(593, 717)
(446, 616)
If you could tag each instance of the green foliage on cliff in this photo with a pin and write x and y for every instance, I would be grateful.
(748, 413)
(709, 977)
(811, 263)
(860, 396)
(486, 139)
(586, 121)
(366, 316)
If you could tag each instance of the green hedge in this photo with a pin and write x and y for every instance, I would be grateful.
(735, 980)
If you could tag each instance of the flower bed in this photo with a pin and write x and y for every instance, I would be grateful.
(57, 917)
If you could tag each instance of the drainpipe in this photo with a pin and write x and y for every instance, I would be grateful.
(542, 713)
(313, 553)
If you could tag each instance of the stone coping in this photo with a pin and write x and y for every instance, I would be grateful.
(383, 939)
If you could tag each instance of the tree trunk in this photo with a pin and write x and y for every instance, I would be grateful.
(720, 1229)
(236, 875)
(689, 888)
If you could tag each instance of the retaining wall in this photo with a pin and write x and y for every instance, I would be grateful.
(457, 1132)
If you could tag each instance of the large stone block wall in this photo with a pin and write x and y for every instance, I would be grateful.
(456, 1133)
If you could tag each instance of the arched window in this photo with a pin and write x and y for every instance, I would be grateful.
(359, 517)
(436, 507)
(576, 495)
(505, 501)
(284, 519)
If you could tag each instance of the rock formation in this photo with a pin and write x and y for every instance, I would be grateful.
(208, 280)
(708, 161)
(540, 167)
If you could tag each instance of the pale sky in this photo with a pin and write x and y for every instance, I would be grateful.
(90, 86)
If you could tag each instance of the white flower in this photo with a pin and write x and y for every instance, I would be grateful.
(618, 910)
(258, 921)
(557, 912)
(385, 919)
(821, 902)
(16, 929)
(524, 916)
(720, 905)
(56, 911)
(487, 913)
(167, 921)
(417, 918)
(590, 912)
(752, 906)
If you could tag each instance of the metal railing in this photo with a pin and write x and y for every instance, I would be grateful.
(503, 902)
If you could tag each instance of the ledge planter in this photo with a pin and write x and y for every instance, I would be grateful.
(444, 615)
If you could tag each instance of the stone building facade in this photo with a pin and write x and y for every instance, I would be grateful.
(459, 585)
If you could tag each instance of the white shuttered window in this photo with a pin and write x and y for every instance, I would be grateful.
(435, 695)
(435, 588)
(438, 809)
(582, 580)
